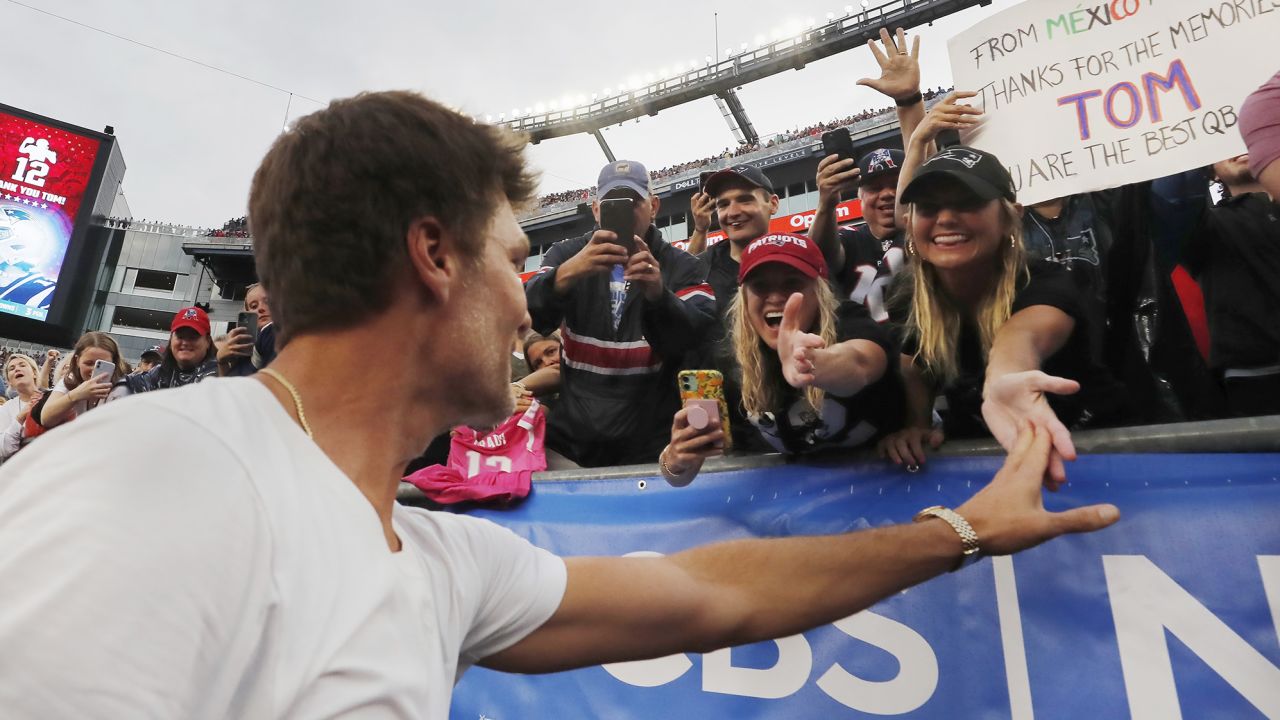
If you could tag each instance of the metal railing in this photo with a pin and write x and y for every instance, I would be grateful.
(1236, 435)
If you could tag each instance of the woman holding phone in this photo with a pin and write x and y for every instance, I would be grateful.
(815, 371)
(96, 367)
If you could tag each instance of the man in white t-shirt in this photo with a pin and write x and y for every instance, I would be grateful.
(249, 559)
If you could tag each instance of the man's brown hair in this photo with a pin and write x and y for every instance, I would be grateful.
(333, 200)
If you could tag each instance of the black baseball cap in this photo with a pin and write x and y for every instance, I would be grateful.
(880, 161)
(747, 173)
(980, 172)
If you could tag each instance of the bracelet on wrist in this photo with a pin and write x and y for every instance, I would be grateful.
(971, 549)
(910, 100)
(672, 477)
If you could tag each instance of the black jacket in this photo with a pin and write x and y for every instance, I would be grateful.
(618, 389)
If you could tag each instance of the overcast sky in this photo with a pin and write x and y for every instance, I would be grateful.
(192, 136)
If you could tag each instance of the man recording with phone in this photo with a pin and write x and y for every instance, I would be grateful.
(630, 307)
(863, 259)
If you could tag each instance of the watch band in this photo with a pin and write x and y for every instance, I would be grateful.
(972, 550)
(909, 101)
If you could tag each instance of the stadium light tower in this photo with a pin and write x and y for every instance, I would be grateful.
(643, 96)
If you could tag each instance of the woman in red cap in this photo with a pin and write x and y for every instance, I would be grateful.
(816, 372)
(188, 358)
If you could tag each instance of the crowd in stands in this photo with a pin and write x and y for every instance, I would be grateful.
(585, 194)
(40, 395)
(236, 227)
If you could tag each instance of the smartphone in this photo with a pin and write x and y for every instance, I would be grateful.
(249, 321)
(703, 177)
(705, 389)
(838, 142)
(104, 367)
(617, 215)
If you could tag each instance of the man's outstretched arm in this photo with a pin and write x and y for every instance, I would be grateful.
(732, 593)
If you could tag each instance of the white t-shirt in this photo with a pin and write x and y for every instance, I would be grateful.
(218, 565)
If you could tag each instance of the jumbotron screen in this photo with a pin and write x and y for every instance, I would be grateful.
(44, 173)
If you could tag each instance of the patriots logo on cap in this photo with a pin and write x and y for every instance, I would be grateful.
(968, 158)
(190, 314)
(622, 167)
(881, 159)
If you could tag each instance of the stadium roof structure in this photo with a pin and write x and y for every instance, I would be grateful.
(721, 78)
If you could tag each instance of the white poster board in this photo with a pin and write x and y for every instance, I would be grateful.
(1082, 97)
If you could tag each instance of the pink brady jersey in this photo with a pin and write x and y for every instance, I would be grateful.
(494, 466)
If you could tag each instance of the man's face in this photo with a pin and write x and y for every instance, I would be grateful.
(491, 302)
(879, 195)
(744, 211)
(255, 301)
(188, 347)
(1234, 171)
(642, 208)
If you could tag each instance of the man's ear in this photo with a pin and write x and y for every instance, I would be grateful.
(433, 256)
(595, 210)
(655, 203)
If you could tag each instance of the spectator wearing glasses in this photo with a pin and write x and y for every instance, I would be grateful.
(627, 321)
(1006, 345)
(189, 357)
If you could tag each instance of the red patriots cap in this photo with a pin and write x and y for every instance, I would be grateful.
(192, 317)
(798, 251)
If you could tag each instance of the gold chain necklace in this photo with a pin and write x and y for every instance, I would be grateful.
(297, 399)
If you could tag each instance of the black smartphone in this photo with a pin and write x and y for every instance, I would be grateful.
(249, 321)
(838, 142)
(703, 177)
(617, 215)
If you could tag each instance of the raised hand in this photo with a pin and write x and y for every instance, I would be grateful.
(701, 206)
(797, 348)
(948, 115)
(836, 175)
(899, 68)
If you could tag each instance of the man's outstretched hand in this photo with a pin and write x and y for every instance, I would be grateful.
(1008, 514)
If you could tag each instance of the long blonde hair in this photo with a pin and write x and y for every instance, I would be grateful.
(936, 319)
(762, 379)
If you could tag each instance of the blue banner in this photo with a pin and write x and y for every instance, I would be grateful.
(1171, 613)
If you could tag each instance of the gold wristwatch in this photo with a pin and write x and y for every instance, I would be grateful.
(968, 538)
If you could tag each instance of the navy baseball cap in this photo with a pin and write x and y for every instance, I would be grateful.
(880, 161)
(980, 172)
(751, 175)
(627, 174)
